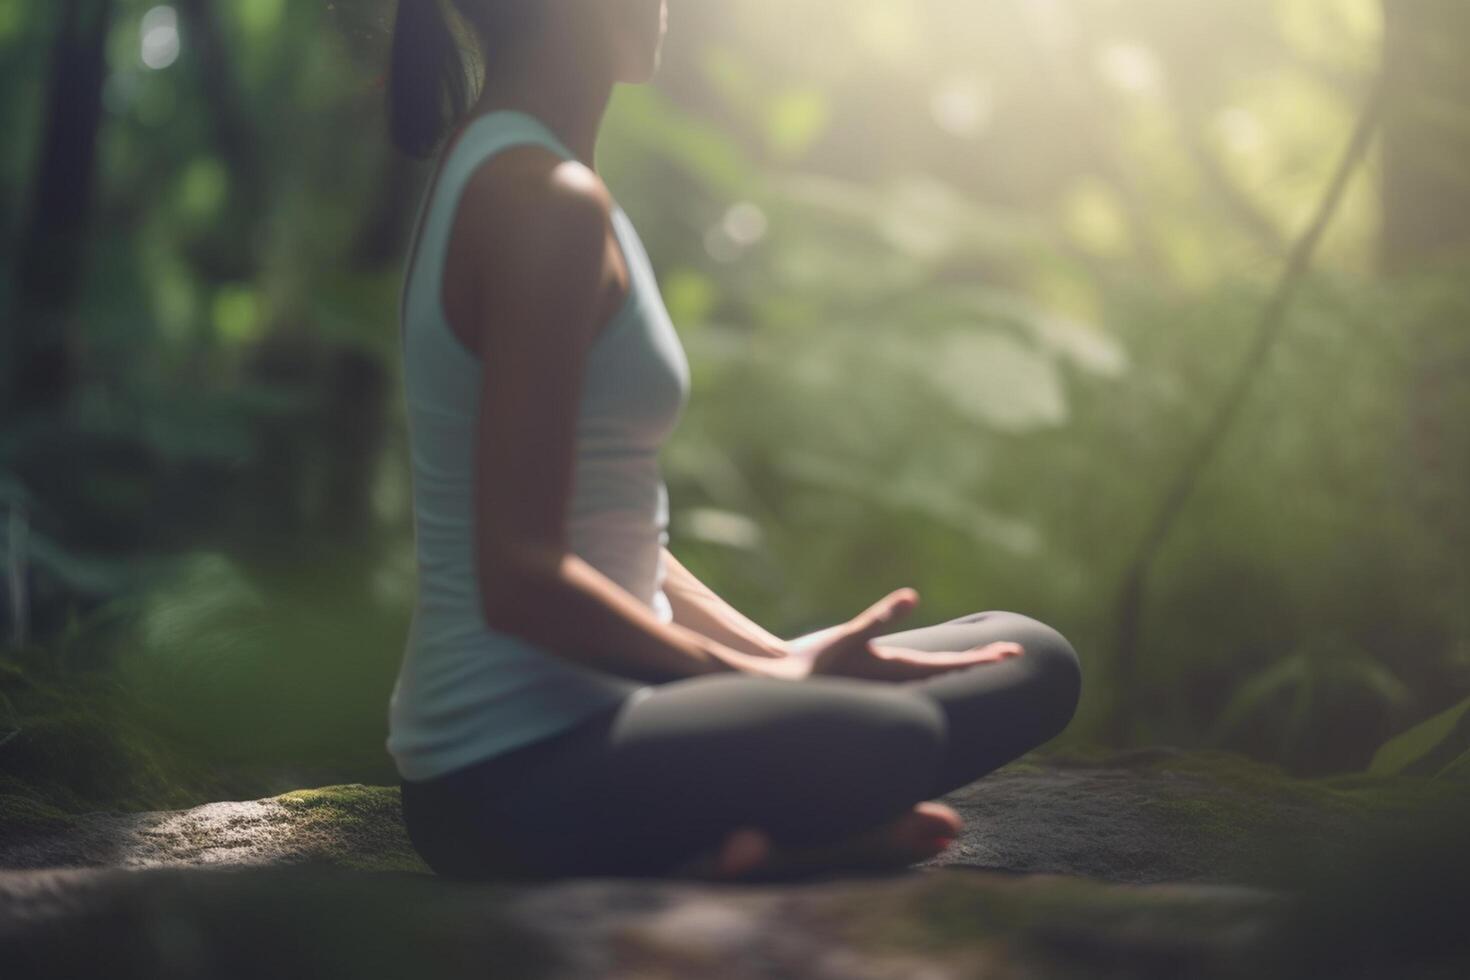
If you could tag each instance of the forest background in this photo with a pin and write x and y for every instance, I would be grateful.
(1144, 318)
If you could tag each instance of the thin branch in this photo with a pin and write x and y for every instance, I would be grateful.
(1273, 318)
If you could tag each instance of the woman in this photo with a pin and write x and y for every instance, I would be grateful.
(572, 700)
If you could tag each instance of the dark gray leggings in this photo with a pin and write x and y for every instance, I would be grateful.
(639, 789)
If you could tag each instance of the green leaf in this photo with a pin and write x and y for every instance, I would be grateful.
(997, 381)
(1404, 749)
(1457, 769)
(1289, 672)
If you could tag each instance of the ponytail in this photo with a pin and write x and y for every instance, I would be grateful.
(429, 85)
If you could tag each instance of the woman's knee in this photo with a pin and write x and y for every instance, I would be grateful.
(894, 730)
(917, 726)
(1057, 666)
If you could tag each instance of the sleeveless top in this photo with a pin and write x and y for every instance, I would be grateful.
(466, 692)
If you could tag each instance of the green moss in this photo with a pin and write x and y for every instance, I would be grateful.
(1024, 764)
(352, 825)
(1350, 793)
(1216, 819)
(81, 746)
(22, 815)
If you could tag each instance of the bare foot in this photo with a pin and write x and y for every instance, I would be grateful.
(916, 835)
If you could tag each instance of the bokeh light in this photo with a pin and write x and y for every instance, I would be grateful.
(159, 37)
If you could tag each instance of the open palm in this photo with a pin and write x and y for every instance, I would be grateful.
(848, 649)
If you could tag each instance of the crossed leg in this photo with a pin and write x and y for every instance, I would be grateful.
(993, 713)
(645, 788)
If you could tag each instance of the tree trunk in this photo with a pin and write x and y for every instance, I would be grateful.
(1426, 132)
(1426, 231)
(35, 360)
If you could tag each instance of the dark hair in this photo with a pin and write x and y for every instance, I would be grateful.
(435, 68)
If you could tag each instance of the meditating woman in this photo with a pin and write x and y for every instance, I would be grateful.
(572, 700)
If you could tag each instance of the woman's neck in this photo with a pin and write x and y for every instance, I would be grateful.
(537, 80)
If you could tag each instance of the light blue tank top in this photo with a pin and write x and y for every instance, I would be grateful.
(466, 692)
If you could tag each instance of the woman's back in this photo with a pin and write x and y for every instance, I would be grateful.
(465, 691)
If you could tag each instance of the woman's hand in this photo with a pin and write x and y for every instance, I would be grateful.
(847, 649)
(786, 668)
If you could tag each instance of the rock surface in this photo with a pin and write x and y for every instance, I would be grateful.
(1155, 815)
(1149, 863)
(352, 826)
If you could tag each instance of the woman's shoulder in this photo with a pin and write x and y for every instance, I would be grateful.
(533, 197)
(530, 221)
(526, 206)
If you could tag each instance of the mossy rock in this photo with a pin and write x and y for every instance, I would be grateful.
(1141, 816)
(1145, 864)
(350, 826)
(1165, 814)
(22, 815)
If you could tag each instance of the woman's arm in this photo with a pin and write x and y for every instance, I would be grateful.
(530, 249)
(696, 607)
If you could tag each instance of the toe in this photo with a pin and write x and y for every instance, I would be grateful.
(744, 849)
(938, 819)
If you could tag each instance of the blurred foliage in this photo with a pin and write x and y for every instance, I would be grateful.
(960, 286)
(1416, 748)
